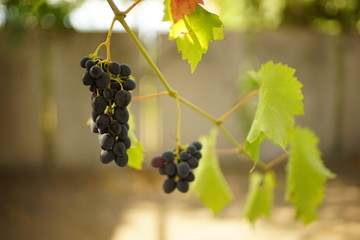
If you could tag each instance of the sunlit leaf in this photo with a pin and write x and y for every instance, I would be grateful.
(260, 196)
(280, 99)
(306, 175)
(210, 184)
(194, 32)
(136, 151)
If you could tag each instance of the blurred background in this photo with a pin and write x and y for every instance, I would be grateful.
(52, 185)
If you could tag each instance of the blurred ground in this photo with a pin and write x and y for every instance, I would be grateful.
(110, 203)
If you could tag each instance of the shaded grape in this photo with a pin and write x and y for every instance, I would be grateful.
(122, 161)
(106, 156)
(169, 185)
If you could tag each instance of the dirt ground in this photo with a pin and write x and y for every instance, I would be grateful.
(122, 204)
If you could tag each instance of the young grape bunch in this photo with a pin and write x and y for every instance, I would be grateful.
(177, 166)
(110, 84)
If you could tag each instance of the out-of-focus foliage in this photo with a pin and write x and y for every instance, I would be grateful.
(21, 15)
(329, 16)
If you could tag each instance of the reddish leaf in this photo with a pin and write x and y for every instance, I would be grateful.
(181, 8)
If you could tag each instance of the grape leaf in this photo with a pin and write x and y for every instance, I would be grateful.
(306, 175)
(260, 196)
(194, 32)
(280, 99)
(136, 151)
(210, 184)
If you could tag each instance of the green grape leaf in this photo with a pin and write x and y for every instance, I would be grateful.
(280, 99)
(136, 151)
(194, 32)
(260, 196)
(306, 175)
(210, 184)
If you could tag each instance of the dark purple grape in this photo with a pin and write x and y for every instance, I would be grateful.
(114, 68)
(183, 155)
(197, 144)
(197, 155)
(122, 115)
(87, 80)
(122, 98)
(124, 132)
(191, 149)
(193, 162)
(106, 141)
(169, 185)
(127, 142)
(103, 80)
(115, 85)
(168, 156)
(129, 84)
(95, 71)
(89, 64)
(183, 169)
(157, 162)
(190, 177)
(125, 70)
(182, 185)
(102, 121)
(122, 161)
(106, 156)
(99, 104)
(115, 128)
(83, 61)
(108, 93)
(119, 148)
(170, 169)
(162, 170)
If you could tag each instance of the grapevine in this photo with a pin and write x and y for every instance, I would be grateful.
(280, 100)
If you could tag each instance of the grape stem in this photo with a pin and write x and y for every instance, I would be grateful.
(137, 98)
(178, 134)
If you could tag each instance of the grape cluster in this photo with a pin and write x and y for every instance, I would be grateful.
(177, 166)
(110, 84)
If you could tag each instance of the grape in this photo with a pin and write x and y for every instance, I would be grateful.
(169, 185)
(83, 61)
(127, 142)
(162, 170)
(122, 115)
(99, 104)
(115, 127)
(103, 80)
(184, 156)
(124, 132)
(104, 130)
(183, 169)
(182, 185)
(106, 141)
(106, 156)
(114, 68)
(95, 71)
(129, 84)
(122, 161)
(193, 162)
(89, 64)
(115, 85)
(102, 121)
(125, 70)
(168, 156)
(197, 155)
(170, 169)
(190, 177)
(157, 162)
(108, 93)
(87, 79)
(93, 127)
(92, 88)
(119, 148)
(122, 98)
(197, 144)
(191, 149)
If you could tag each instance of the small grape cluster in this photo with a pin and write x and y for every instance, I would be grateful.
(177, 166)
(110, 84)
